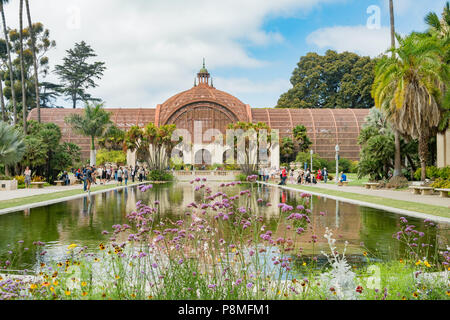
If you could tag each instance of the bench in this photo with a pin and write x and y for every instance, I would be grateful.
(59, 183)
(443, 193)
(371, 185)
(37, 185)
(421, 190)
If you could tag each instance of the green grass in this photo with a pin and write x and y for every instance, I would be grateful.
(399, 204)
(5, 204)
(354, 181)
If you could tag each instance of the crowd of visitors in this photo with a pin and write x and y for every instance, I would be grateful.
(101, 175)
(296, 176)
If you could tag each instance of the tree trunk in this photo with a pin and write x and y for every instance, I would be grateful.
(2, 102)
(423, 154)
(11, 75)
(397, 159)
(33, 49)
(92, 159)
(22, 69)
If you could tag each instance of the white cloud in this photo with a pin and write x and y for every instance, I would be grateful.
(359, 39)
(153, 49)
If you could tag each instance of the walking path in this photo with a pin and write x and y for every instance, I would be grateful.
(382, 200)
(64, 195)
(405, 195)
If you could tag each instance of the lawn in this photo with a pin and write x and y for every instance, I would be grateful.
(46, 197)
(399, 204)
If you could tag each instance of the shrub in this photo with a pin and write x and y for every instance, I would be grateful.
(160, 175)
(38, 179)
(441, 183)
(241, 177)
(114, 156)
(20, 179)
(5, 177)
(434, 173)
(444, 173)
(397, 183)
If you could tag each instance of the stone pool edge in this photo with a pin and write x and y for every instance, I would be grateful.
(367, 204)
(74, 197)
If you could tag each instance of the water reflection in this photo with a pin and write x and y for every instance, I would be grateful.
(82, 221)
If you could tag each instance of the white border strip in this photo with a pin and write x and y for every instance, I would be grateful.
(367, 204)
(49, 202)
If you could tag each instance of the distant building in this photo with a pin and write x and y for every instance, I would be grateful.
(209, 108)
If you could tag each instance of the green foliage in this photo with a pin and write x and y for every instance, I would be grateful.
(318, 162)
(94, 122)
(5, 177)
(160, 175)
(118, 157)
(77, 75)
(241, 177)
(301, 138)
(12, 146)
(345, 165)
(433, 173)
(441, 183)
(44, 152)
(287, 150)
(335, 80)
(43, 44)
(113, 139)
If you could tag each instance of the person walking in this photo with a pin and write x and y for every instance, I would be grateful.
(89, 178)
(133, 173)
(125, 175)
(27, 175)
(119, 174)
(325, 175)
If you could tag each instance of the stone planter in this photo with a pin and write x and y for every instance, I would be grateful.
(7, 185)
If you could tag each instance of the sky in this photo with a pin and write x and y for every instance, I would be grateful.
(154, 48)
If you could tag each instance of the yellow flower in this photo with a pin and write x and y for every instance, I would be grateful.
(117, 277)
(84, 293)
(83, 284)
(55, 283)
(365, 254)
(218, 260)
(45, 284)
(404, 298)
(447, 293)
(1, 278)
(60, 264)
(427, 264)
(96, 260)
(68, 293)
(233, 250)
(415, 294)
(52, 289)
(304, 263)
(72, 246)
(101, 246)
(42, 265)
(133, 295)
(418, 262)
(33, 286)
(401, 260)
(150, 297)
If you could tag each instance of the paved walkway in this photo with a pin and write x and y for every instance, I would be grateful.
(404, 195)
(22, 193)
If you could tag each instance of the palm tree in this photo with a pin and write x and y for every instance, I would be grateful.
(12, 146)
(33, 50)
(397, 158)
(2, 99)
(94, 122)
(8, 50)
(22, 69)
(409, 88)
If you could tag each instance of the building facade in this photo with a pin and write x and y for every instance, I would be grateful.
(206, 111)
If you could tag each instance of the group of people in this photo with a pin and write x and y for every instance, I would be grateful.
(90, 174)
(296, 176)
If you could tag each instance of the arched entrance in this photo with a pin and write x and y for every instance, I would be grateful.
(203, 157)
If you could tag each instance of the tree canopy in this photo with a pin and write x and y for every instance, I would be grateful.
(334, 80)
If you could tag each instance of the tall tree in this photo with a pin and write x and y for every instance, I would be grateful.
(334, 80)
(94, 123)
(301, 137)
(409, 87)
(22, 69)
(35, 64)
(11, 77)
(397, 159)
(77, 75)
